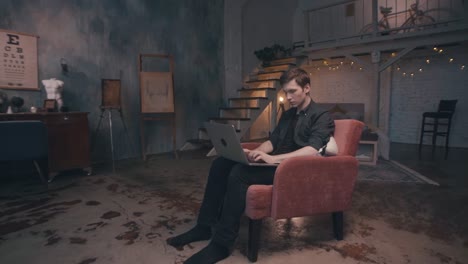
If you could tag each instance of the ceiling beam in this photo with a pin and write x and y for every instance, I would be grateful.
(394, 59)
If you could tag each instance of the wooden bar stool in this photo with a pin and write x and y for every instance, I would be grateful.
(436, 120)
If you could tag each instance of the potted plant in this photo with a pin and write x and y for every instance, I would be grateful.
(267, 54)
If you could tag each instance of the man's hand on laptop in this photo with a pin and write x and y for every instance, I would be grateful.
(259, 156)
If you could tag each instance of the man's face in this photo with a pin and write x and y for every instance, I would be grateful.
(295, 94)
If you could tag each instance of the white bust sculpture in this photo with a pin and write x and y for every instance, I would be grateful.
(54, 90)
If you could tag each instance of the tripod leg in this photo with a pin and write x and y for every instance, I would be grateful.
(126, 132)
(111, 140)
(97, 130)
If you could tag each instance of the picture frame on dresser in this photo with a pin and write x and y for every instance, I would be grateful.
(50, 105)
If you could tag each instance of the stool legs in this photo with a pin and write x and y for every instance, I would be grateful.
(447, 137)
(422, 135)
(434, 135)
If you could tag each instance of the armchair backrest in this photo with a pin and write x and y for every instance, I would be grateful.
(347, 135)
(447, 106)
(23, 140)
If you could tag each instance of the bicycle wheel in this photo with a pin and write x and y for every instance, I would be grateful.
(423, 21)
(369, 28)
(420, 23)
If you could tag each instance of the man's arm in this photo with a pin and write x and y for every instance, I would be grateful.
(263, 149)
(304, 151)
(266, 147)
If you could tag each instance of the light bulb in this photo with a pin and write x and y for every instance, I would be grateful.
(451, 60)
(420, 69)
(281, 99)
(428, 61)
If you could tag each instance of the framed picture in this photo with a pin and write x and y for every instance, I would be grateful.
(157, 92)
(110, 93)
(19, 68)
(50, 105)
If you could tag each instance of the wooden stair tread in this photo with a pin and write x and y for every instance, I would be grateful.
(228, 108)
(248, 98)
(256, 89)
(280, 64)
(264, 72)
(229, 118)
(266, 80)
(204, 129)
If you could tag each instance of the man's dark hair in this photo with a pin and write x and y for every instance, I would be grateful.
(302, 77)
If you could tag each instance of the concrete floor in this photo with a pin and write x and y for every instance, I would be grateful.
(126, 217)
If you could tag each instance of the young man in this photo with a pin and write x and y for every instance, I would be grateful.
(301, 131)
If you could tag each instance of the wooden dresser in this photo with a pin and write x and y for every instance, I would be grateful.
(68, 138)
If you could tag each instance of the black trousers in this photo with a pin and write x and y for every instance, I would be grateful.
(225, 194)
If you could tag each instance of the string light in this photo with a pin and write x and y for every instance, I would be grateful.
(352, 63)
(393, 54)
(341, 62)
(360, 68)
(431, 60)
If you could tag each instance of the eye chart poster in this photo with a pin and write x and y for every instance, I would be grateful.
(18, 64)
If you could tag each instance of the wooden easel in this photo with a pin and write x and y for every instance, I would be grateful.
(157, 98)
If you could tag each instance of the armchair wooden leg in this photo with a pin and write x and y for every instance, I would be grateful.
(338, 225)
(254, 238)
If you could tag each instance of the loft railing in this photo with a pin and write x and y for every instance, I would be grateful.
(362, 19)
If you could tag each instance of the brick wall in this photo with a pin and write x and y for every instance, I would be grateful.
(410, 96)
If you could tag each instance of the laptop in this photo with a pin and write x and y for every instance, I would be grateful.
(227, 144)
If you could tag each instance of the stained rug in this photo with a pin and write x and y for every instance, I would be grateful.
(391, 171)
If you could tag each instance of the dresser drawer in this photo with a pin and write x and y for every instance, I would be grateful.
(64, 118)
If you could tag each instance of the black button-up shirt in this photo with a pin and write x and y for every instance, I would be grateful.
(314, 127)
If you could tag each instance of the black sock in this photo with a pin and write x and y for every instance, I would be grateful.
(210, 254)
(198, 233)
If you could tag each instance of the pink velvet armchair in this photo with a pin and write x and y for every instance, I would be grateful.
(305, 186)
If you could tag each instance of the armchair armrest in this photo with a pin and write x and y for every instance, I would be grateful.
(313, 184)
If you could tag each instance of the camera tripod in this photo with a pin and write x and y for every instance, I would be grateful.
(109, 112)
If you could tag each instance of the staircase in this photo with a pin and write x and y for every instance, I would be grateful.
(252, 99)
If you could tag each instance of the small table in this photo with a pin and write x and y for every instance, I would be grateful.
(372, 160)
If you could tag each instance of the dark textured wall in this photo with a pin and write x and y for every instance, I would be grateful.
(102, 39)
